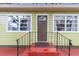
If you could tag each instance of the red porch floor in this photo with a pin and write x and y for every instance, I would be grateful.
(12, 52)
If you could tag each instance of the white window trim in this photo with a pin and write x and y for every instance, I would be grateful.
(19, 30)
(67, 15)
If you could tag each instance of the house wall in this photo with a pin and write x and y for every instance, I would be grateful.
(74, 36)
(9, 38)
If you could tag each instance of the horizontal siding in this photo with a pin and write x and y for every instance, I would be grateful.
(74, 36)
(9, 38)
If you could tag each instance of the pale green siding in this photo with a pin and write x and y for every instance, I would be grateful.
(9, 38)
(74, 36)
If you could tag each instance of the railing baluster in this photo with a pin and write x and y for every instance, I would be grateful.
(17, 48)
(29, 41)
(51, 37)
(55, 39)
(22, 45)
(35, 37)
(57, 42)
(70, 47)
(25, 41)
(32, 37)
(63, 43)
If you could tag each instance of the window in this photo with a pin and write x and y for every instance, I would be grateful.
(19, 23)
(65, 22)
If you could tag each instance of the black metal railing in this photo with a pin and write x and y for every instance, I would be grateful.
(63, 44)
(24, 42)
(21, 44)
(55, 39)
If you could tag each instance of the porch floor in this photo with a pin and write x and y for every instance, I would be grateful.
(12, 52)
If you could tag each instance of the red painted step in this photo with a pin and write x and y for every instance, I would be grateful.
(42, 49)
(34, 51)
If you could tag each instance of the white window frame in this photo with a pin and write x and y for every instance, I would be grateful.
(67, 15)
(19, 25)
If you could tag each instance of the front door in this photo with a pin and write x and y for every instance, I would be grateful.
(41, 28)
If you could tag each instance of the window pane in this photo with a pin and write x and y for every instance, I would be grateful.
(71, 23)
(60, 25)
(25, 23)
(13, 23)
(71, 17)
(60, 28)
(59, 17)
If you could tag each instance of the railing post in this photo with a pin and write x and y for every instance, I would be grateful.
(17, 48)
(57, 42)
(70, 47)
(29, 41)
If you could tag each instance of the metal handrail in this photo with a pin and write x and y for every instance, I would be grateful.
(65, 38)
(27, 37)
